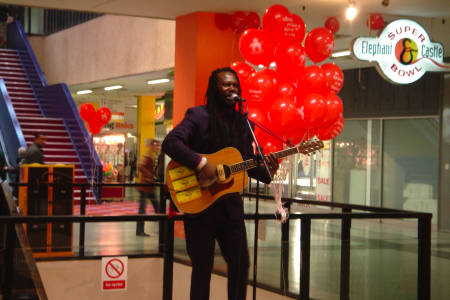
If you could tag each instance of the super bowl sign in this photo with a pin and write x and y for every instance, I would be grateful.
(403, 52)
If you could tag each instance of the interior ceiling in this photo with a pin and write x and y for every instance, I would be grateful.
(170, 9)
(310, 10)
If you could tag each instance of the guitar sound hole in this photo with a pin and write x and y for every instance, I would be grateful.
(227, 171)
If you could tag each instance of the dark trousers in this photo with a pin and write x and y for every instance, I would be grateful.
(223, 222)
(142, 204)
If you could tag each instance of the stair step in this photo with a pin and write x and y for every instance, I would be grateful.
(25, 106)
(24, 110)
(19, 89)
(11, 68)
(39, 120)
(31, 125)
(21, 93)
(10, 63)
(9, 58)
(14, 76)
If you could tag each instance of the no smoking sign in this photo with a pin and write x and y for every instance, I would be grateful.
(114, 273)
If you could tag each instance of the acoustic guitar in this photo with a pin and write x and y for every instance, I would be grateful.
(192, 196)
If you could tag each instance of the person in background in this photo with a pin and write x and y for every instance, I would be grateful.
(15, 173)
(147, 174)
(208, 129)
(34, 153)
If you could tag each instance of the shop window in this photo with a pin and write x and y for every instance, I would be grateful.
(411, 164)
(357, 163)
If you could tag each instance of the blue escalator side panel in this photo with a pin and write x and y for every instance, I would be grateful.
(9, 126)
(56, 102)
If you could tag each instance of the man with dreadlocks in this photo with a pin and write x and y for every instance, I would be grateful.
(207, 129)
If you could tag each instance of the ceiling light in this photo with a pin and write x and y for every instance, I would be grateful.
(156, 81)
(83, 92)
(113, 87)
(341, 53)
(351, 12)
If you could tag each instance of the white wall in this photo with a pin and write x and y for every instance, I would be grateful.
(106, 47)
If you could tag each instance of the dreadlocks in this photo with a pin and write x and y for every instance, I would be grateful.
(224, 122)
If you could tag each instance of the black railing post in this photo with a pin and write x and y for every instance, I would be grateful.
(305, 257)
(284, 269)
(9, 261)
(424, 258)
(168, 260)
(162, 225)
(345, 257)
(82, 223)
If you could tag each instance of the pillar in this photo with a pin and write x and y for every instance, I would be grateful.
(200, 47)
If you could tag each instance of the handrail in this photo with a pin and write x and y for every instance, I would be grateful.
(15, 236)
(9, 126)
(17, 39)
(64, 108)
(424, 238)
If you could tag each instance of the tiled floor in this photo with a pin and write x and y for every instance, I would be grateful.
(383, 263)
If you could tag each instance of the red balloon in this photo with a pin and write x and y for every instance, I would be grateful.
(332, 24)
(296, 131)
(286, 89)
(313, 80)
(375, 21)
(332, 131)
(103, 115)
(313, 109)
(319, 44)
(272, 146)
(255, 47)
(290, 59)
(243, 69)
(238, 21)
(252, 21)
(297, 29)
(222, 21)
(261, 88)
(269, 143)
(274, 21)
(258, 116)
(282, 113)
(334, 110)
(334, 77)
(95, 126)
(87, 112)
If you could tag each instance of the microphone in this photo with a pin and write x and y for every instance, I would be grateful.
(238, 98)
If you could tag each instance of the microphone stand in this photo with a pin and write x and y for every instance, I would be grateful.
(259, 157)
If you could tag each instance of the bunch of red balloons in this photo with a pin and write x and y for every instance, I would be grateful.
(293, 101)
(238, 21)
(96, 119)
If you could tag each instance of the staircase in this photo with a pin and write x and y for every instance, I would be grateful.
(59, 148)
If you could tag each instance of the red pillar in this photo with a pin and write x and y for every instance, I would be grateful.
(200, 47)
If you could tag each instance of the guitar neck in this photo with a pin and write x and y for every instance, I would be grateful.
(253, 163)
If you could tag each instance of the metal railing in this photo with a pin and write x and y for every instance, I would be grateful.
(346, 216)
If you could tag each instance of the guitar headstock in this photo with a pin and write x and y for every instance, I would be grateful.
(310, 146)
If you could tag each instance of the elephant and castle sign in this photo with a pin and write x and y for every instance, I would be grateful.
(403, 52)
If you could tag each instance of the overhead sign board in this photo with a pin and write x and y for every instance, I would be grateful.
(403, 52)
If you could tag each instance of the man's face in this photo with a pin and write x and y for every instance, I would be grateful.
(228, 86)
(40, 140)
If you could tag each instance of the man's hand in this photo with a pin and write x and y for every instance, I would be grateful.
(272, 163)
(208, 174)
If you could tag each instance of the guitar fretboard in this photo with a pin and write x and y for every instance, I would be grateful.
(252, 163)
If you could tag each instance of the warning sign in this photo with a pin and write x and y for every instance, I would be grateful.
(114, 273)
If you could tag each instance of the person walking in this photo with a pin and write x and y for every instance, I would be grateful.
(147, 174)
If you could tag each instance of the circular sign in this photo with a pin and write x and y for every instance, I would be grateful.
(114, 268)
